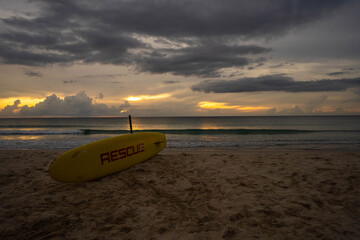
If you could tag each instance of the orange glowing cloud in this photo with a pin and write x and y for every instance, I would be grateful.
(23, 101)
(147, 97)
(221, 105)
(215, 105)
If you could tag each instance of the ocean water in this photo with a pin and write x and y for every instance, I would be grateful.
(315, 132)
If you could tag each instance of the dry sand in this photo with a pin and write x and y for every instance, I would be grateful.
(180, 194)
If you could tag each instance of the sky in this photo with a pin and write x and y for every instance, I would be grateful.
(179, 58)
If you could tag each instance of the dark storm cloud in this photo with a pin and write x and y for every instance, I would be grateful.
(69, 31)
(170, 82)
(104, 75)
(348, 69)
(69, 82)
(89, 46)
(13, 55)
(211, 17)
(343, 71)
(336, 73)
(204, 60)
(100, 96)
(32, 73)
(275, 83)
(236, 73)
(282, 65)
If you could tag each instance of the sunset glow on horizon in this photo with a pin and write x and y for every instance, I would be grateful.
(147, 97)
(30, 102)
(221, 105)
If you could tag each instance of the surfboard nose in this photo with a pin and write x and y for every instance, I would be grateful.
(62, 172)
(56, 170)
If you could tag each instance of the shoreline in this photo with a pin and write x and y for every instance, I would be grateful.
(196, 193)
(236, 149)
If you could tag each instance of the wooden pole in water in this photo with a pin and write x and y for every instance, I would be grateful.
(131, 131)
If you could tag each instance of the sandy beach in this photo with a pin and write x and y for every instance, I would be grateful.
(268, 193)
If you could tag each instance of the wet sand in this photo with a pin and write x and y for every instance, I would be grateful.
(271, 193)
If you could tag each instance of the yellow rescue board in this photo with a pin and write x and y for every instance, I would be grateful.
(107, 156)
